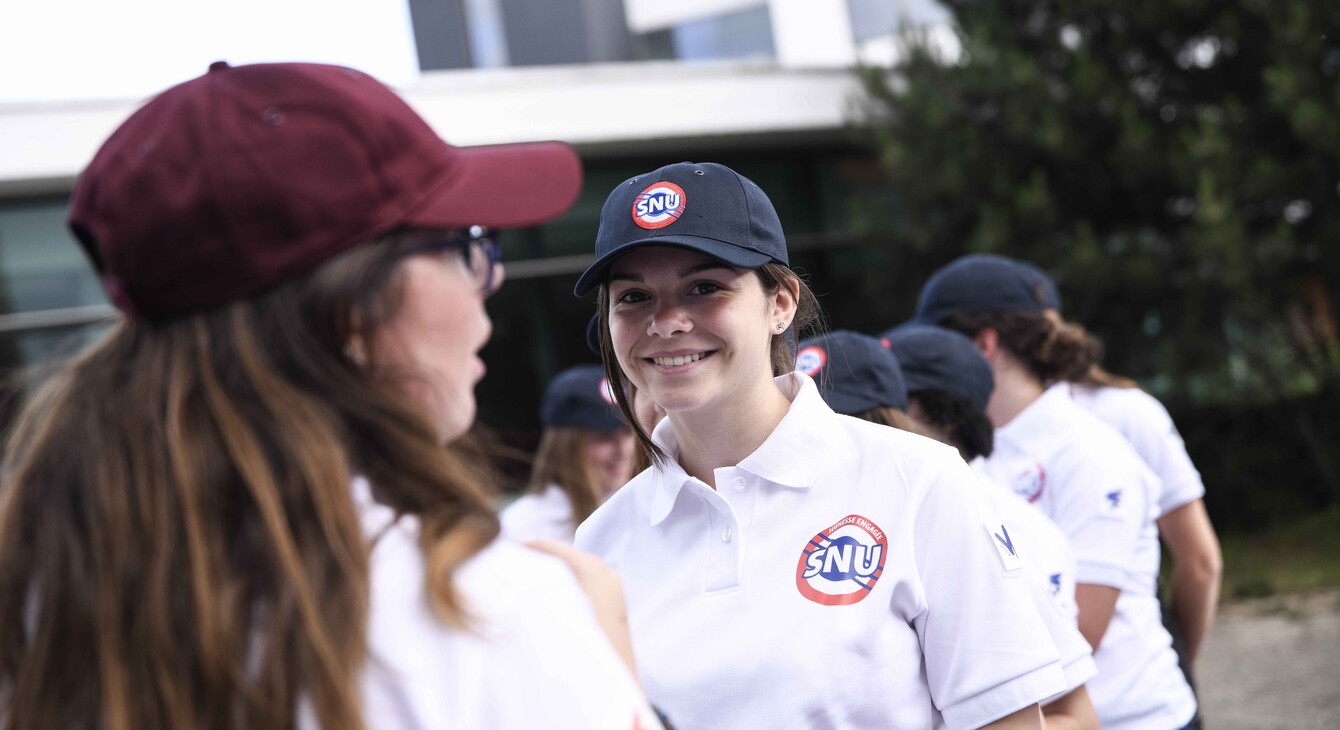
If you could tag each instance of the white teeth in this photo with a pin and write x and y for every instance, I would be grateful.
(681, 360)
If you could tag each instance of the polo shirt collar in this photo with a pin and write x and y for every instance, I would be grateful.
(792, 456)
(1040, 419)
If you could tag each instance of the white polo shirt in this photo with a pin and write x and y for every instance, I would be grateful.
(1145, 423)
(1084, 476)
(543, 516)
(534, 656)
(1051, 566)
(844, 575)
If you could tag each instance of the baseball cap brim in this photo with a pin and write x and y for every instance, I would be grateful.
(736, 256)
(502, 186)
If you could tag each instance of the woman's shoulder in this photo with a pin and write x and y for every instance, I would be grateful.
(630, 505)
(873, 441)
(501, 576)
(544, 515)
(1125, 408)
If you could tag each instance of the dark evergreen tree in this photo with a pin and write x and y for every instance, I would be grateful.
(1175, 164)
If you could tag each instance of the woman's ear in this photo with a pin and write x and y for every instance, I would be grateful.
(988, 341)
(356, 352)
(785, 302)
(355, 346)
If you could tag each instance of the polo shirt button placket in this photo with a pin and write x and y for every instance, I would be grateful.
(723, 567)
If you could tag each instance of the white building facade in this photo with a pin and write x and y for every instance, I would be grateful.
(765, 86)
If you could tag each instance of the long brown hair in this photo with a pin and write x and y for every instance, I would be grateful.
(1051, 349)
(782, 352)
(178, 544)
(561, 459)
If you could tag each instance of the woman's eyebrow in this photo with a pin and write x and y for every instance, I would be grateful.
(705, 266)
(683, 273)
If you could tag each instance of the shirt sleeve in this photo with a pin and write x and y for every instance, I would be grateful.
(555, 667)
(1102, 508)
(531, 653)
(1150, 429)
(986, 649)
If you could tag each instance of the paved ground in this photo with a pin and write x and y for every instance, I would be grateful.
(1273, 663)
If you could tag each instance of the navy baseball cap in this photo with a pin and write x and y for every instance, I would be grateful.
(934, 358)
(704, 207)
(854, 372)
(580, 397)
(979, 283)
(1051, 298)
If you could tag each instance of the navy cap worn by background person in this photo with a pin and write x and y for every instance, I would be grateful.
(240, 179)
(704, 207)
(934, 358)
(978, 283)
(580, 397)
(1051, 298)
(854, 372)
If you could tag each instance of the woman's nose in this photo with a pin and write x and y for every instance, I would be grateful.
(669, 319)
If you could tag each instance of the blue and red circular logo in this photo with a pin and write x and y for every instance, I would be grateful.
(658, 206)
(841, 565)
(1030, 483)
(811, 360)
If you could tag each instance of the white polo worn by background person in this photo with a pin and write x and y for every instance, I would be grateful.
(1143, 421)
(805, 591)
(533, 655)
(1051, 565)
(543, 516)
(1084, 476)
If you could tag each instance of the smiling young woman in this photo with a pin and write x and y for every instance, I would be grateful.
(785, 565)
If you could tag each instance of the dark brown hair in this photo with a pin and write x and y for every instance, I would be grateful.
(178, 543)
(772, 277)
(965, 426)
(1051, 349)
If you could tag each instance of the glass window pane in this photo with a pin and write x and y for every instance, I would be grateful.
(41, 265)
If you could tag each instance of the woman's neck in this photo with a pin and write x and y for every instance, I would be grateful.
(1016, 389)
(723, 434)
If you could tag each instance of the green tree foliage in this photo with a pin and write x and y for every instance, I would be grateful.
(1175, 164)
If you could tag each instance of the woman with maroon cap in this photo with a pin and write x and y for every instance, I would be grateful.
(235, 510)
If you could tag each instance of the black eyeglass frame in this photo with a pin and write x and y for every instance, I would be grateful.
(467, 241)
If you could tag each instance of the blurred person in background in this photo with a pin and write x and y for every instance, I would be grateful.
(948, 386)
(236, 509)
(856, 377)
(1080, 472)
(586, 452)
(1184, 524)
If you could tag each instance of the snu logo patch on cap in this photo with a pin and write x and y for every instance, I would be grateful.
(841, 565)
(659, 205)
(811, 360)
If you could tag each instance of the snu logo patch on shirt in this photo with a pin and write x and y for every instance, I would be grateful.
(841, 565)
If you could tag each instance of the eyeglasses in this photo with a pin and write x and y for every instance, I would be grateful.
(478, 251)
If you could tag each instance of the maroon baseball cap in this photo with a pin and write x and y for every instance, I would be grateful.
(233, 182)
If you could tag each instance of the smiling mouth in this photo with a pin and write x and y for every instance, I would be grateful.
(680, 359)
